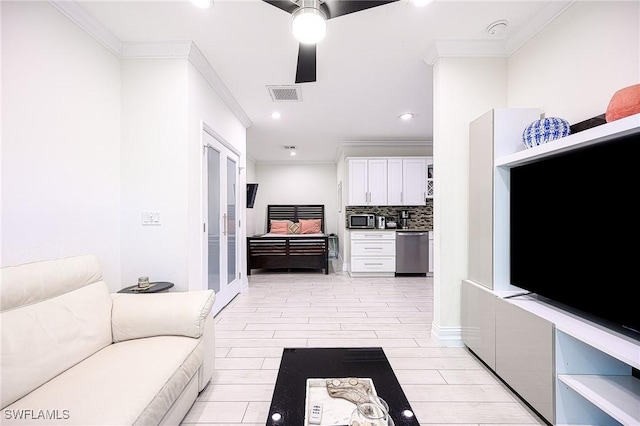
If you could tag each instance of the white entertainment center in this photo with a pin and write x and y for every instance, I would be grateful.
(569, 369)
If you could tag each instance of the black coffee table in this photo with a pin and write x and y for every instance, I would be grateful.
(299, 364)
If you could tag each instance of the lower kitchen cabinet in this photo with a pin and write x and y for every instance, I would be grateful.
(373, 253)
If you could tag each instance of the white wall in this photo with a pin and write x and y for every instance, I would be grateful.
(90, 141)
(296, 184)
(573, 68)
(155, 170)
(207, 108)
(166, 103)
(60, 140)
(464, 88)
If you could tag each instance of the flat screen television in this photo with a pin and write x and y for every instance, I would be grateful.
(252, 191)
(574, 229)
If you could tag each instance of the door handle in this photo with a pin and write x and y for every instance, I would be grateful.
(224, 224)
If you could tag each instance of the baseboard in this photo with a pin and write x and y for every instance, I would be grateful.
(447, 336)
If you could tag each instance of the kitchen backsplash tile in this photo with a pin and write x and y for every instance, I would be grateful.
(421, 217)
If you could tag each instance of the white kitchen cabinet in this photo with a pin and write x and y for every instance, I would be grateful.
(373, 253)
(407, 181)
(430, 177)
(367, 181)
(431, 252)
(394, 181)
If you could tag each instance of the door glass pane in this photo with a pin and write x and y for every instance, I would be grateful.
(231, 220)
(213, 218)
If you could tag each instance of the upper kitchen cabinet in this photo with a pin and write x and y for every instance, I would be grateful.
(367, 181)
(407, 181)
(430, 177)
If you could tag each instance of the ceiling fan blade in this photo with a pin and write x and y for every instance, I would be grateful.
(286, 5)
(306, 71)
(337, 8)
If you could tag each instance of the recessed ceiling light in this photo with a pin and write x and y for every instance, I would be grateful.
(275, 115)
(406, 116)
(202, 4)
(421, 3)
(292, 153)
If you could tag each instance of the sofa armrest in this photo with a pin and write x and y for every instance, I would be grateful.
(134, 316)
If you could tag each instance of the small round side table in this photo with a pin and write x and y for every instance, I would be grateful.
(156, 287)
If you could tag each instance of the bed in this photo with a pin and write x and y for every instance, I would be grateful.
(291, 250)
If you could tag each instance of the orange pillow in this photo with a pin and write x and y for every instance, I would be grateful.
(310, 226)
(279, 227)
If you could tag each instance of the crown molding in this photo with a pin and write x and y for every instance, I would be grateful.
(182, 49)
(533, 26)
(89, 24)
(200, 62)
(497, 48)
(465, 49)
(386, 143)
(371, 144)
(156, 50)
(294, 163)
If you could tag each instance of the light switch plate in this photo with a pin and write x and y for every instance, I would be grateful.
(151, 218)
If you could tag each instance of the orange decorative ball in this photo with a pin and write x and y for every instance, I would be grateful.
(625, 102)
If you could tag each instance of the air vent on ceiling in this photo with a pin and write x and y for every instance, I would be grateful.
(285, 93)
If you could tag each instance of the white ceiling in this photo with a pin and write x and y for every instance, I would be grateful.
(370, 67)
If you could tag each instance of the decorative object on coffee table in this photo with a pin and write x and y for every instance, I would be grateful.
(545, 130)
(623, 103)
(350, 388)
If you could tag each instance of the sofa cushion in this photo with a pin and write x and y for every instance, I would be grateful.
(30, 283)
(42, 340)
(54, 315)
(131, 382)
(146, 315)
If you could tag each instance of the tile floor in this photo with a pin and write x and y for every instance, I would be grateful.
(310, 309)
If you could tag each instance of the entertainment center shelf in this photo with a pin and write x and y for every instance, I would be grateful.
(621, 391)
(569, 367)
(593, 361)
(625, 126)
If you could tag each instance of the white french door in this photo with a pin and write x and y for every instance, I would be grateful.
(221, 224)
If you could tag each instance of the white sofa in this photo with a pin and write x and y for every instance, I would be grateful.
(74, 354)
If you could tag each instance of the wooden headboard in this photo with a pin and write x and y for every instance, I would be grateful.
(294, 213)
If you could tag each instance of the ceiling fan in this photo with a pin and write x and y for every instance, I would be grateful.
(324, 9)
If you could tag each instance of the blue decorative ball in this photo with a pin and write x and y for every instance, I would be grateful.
(545, 130)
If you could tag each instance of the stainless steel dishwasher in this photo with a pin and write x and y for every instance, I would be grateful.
(412, 252)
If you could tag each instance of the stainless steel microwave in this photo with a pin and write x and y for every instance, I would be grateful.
(362, 221)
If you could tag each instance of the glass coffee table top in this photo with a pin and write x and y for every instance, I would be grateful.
(299, 364)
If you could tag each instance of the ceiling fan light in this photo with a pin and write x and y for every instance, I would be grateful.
(309, 25)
